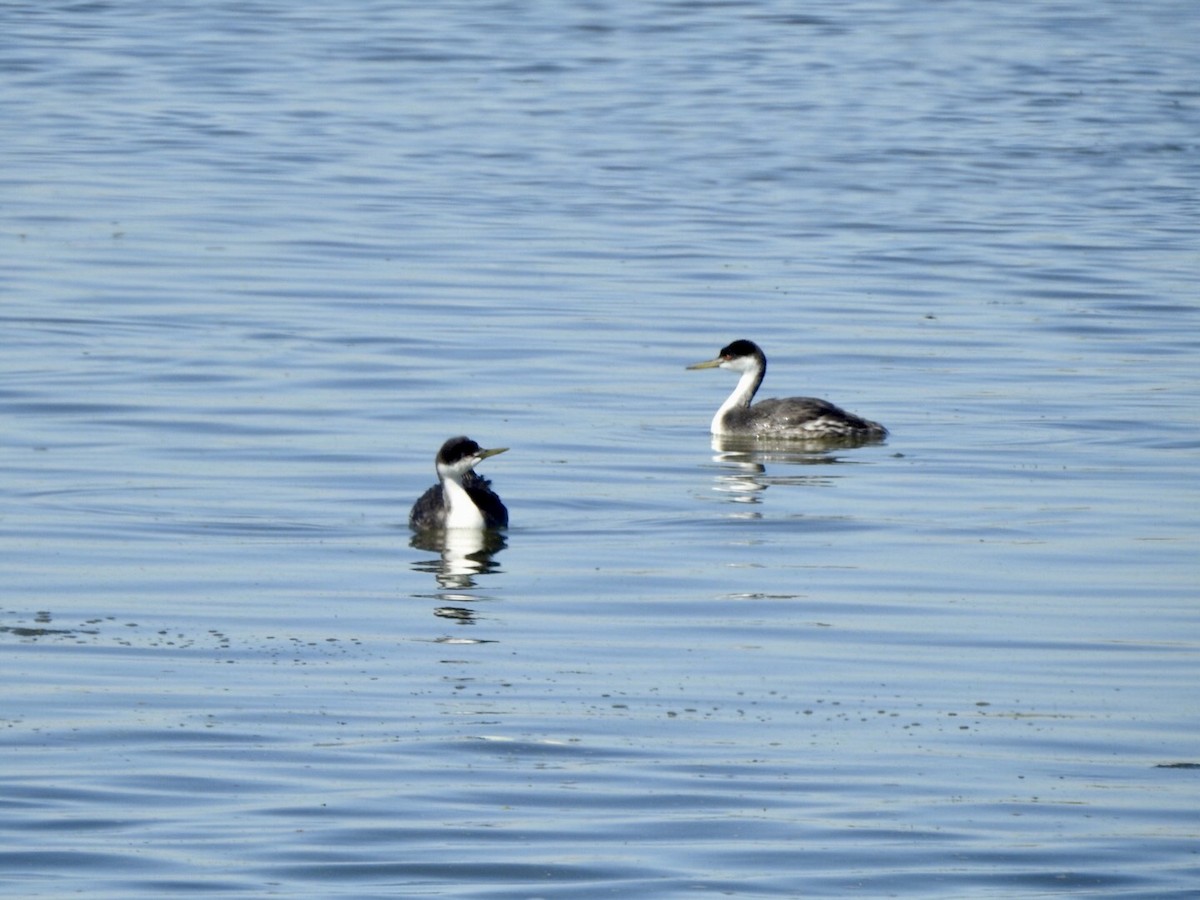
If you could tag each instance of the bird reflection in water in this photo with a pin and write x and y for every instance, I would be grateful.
(742, 464)
(464, 554)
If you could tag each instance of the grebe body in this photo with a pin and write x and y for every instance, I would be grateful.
(789, 417)
(461, 498)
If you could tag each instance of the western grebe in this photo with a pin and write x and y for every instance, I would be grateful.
(789, 417)
(460, 499)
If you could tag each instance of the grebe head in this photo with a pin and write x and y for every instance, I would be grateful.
(460, 455)
(740, 356)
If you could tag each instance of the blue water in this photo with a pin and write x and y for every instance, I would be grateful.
(260, 260)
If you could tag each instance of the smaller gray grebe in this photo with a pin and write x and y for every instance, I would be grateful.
(790, 417)
(460, 499)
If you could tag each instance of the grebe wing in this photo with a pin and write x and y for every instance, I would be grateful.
(809, 415)
(495, 514)
(429, 511)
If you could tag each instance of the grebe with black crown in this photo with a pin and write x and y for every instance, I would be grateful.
(788, 417)
(460, 499)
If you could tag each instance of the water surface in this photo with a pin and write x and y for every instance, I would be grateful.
(262, 260)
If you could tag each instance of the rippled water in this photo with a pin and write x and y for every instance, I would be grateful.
(260, 260)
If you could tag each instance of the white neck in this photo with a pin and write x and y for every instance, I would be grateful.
(461, 511)
(742, 394)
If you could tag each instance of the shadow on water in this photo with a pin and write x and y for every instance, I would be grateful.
(464, 555)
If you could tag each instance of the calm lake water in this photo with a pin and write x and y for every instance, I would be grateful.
(261, 259)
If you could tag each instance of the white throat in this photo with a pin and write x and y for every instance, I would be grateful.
(743, 392)
(461, 511)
